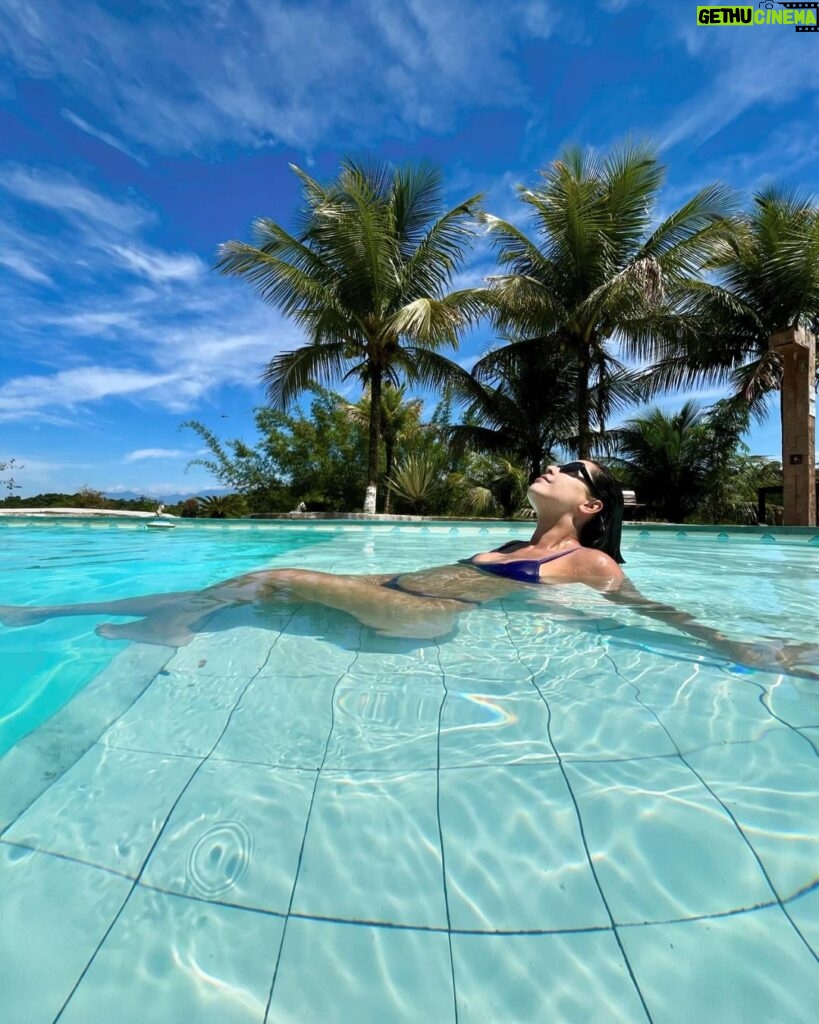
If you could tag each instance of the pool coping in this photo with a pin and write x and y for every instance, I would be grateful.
(363, 520)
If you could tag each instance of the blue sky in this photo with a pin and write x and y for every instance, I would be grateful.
(136, 135)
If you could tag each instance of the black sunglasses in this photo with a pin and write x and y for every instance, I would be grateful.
(579, 471)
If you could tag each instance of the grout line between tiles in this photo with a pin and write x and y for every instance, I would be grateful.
(155, 753)
(397, 925)
(158, 836)
(441, 832)
(589, 858)
(67, 857)
(306, 828)
(725, 807)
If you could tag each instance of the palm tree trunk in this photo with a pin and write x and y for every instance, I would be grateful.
(389, 448)
(374, 439)
(583, 430)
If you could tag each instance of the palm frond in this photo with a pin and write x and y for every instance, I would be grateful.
(289, 373)
(428, 265)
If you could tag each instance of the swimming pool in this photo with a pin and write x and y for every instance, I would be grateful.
(563, 812)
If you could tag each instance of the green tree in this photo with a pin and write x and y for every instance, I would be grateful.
(9, 483)
(89, 497)
(189, 508)
(251, 471)
(602, 270)
(400, 419)
(734, 497)
(365, 276)
(319, 459)
(517, 404)
(732, 476)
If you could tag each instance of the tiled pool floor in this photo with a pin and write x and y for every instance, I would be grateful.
(304, 823)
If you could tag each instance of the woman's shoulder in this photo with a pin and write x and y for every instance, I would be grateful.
(597, 568)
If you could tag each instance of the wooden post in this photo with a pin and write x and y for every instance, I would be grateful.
(797, 347)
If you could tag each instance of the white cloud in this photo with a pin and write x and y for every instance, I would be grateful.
(175, 367)
(467, 362)
(23, 396)
(42, 467)
(765, 66)
(615, 6)
(56, 190)
(173, 339)
(474, 274)
(159, 266)
(100, 239)
(97, 133)
(156, 453)
(24, 267)
(91, 323)
(190, 77)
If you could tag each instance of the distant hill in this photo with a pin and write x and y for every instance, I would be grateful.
(89, 498)
(171, 498)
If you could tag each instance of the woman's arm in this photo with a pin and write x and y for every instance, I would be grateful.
(770, 656)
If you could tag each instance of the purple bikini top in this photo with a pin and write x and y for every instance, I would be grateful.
(525, 570)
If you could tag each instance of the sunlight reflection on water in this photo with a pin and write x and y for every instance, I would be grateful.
(557, 812)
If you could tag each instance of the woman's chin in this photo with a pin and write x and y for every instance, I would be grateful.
(532, 497)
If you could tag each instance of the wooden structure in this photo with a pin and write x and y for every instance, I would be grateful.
(796, 346)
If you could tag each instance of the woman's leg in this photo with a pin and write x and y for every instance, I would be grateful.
(171, 618)
(238, 590)
(389, 612)
(29, 615)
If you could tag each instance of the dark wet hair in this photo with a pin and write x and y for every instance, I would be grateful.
(603, 531)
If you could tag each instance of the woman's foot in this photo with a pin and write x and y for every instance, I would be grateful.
(16, 615)
(170, 634)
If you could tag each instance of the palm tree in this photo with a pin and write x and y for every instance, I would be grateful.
(366, 276)
(222, 506)
(665, 459)
(766, 270)
(398, 418)
(601, 269)
(517, 405)
(693, 462)
(766, 285)
(519, 401)
(493, 484)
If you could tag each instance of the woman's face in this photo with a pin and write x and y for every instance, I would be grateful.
(562, 488)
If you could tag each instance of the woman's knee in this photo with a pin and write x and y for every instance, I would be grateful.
(285, 575)
(288, 577)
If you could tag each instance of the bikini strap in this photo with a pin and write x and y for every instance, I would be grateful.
(560, 554)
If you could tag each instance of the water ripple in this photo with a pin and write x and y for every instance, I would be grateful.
(220, 858)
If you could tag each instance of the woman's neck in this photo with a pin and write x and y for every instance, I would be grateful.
(550, 533)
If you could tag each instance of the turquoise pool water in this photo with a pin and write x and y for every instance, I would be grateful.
(561, 812)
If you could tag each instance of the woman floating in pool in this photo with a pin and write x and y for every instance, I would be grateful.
(579, 509)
